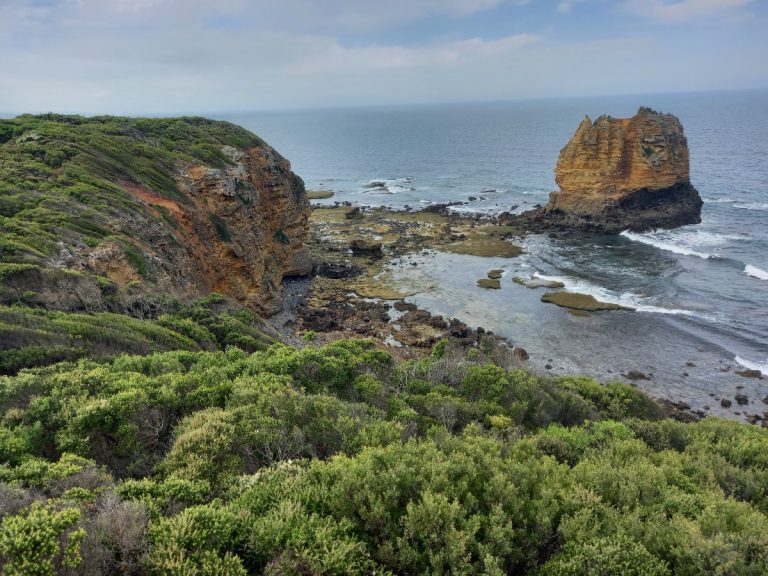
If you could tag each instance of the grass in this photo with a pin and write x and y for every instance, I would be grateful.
(60, 175)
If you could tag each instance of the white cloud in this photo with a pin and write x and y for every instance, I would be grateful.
(179, 56)
(683, 10)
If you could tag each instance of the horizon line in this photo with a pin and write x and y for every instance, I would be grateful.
(5, 115)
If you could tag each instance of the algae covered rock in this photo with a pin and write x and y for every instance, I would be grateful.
(366, 247)
(490, 283)
(578, 301)
(486, 247)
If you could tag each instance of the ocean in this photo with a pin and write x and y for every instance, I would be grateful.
(700, 292)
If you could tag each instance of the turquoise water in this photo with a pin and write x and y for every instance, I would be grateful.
(701, 291)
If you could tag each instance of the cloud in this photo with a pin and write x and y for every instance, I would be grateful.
(184, 56)
(682, 10)
(340, 15)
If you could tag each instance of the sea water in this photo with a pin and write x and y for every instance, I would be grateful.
(700, 292)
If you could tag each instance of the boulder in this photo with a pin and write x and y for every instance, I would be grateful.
(367, 248)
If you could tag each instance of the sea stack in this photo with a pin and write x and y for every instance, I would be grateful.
(619, 174)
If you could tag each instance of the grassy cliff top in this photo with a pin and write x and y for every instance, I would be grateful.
(62, 193)
(59, 174)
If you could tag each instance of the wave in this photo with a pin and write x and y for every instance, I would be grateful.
(755, 272)
(752, 206)
(389, 185)
(626, 299)
(666, 245)
(749, 364)
(725, 200)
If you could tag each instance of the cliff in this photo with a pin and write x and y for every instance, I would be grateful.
(623, 173)
(120, 214)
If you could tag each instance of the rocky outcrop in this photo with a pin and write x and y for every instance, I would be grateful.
(151, 210)
(243, 228)
(622, 173)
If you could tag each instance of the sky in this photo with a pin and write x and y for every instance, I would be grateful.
(196, 56)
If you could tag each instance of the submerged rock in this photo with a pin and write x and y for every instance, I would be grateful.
(538, 283)
(495, 274)
(579, 301)
(491, 283)
(750, 373)
(621, 173)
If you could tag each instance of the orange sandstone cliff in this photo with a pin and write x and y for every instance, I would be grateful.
(623, 173)
(132, 214)
(242, 229)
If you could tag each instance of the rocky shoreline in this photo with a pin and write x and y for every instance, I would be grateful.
(352, 292)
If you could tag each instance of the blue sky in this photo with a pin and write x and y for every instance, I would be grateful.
(183, 56)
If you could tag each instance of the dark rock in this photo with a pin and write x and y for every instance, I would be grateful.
(750, 373)
(441, 209)
(635, 375)
(520, 354)
(490, 283)
(725, 403)
(337, 270)
(458, 329)
(367, 248)
(741, 399)
(354, 214)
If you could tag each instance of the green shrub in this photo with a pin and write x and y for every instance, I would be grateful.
(41, 541)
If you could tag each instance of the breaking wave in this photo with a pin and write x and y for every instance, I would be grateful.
(755, 272)
(626, 299)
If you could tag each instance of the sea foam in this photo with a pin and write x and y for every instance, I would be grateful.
(749, 364)
(752, 206)
(626, 299)
(665, 245)
(755, 272)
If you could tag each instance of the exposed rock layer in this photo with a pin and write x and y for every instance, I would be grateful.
(619, 174)
(142, 211)
(242, 229)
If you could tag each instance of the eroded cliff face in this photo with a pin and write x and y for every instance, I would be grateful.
(628, 173)
(126, 214)
(238, 230)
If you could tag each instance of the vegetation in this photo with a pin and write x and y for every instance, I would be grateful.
(60, 175)
(144, 436)
(37, 337)
(338, 460)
